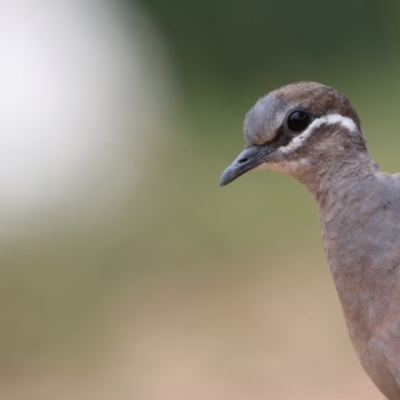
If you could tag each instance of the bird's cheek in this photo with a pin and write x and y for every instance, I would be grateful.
(263, 165)
(279, 162)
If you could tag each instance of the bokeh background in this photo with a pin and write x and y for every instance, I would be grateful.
(125, 271)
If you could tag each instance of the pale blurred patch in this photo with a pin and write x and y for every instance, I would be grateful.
(85, 94)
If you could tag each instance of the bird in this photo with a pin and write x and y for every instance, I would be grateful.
(312, 133)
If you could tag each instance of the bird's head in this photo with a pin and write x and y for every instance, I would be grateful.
(295, 128)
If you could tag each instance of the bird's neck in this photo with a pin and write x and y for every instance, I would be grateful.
(345, 192)
(336, 182)
(353, 203)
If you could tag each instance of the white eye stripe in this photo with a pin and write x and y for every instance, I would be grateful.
(330, 119)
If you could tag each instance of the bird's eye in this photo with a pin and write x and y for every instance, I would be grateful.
(298, 120)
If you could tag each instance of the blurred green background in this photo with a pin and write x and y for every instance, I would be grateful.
(190, 291)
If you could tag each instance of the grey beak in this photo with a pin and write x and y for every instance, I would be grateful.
(247, 160)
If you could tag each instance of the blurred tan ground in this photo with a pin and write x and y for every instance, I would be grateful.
(214, 334)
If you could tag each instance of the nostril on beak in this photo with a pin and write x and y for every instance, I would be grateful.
(243, 160)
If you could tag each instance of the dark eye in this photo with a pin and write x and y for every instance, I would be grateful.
(298, 120)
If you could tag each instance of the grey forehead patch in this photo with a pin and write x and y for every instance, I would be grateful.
(264, 119)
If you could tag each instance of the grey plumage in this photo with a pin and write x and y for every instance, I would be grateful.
(359, 210)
